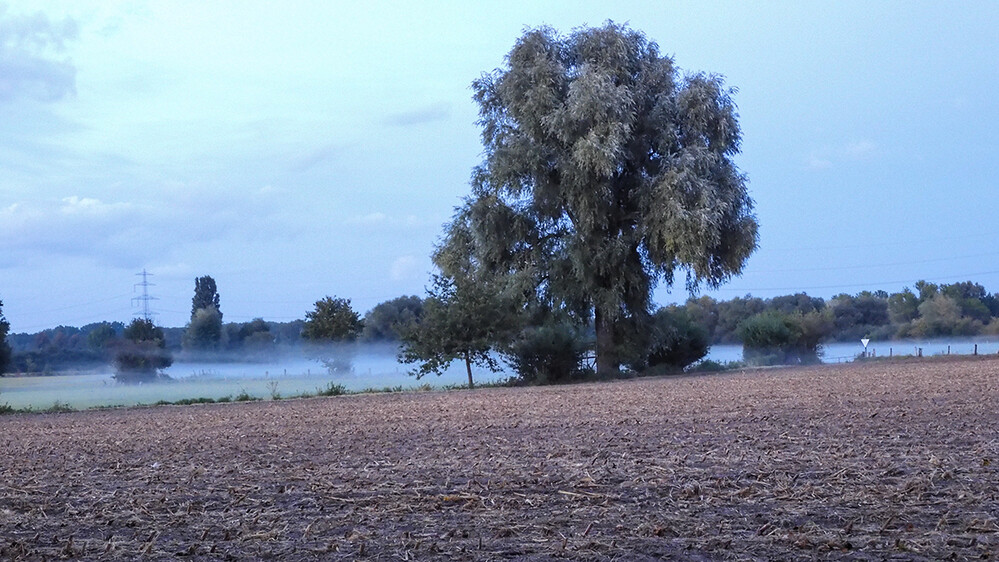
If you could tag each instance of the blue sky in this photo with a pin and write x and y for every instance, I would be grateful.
(300, 149)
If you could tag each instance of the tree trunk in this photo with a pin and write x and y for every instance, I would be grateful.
(468, 367)
(607, 364)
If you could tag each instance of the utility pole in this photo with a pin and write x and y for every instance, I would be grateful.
(145, 298)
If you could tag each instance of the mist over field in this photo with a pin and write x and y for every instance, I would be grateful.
(290, 372)
(295, 371)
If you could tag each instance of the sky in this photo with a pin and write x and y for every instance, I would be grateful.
(294, 150)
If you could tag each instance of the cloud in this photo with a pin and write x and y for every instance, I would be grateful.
(89, 206)
(125, 233)
(427, 114)
(29, 67)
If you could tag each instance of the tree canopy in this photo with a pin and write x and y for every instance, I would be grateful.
(333, 320)
(142, 352)
(205, 330)
(388, 319)
(206, 295)
(605, 173)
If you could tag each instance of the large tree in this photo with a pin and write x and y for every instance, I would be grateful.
(606, 171)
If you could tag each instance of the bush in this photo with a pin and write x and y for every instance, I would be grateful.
(142, 353)
(775, 338)
(244, 396)
(712, 366)
(58, 407)
(189, 401)
(675, 340)
(332, 390)
(547, 354)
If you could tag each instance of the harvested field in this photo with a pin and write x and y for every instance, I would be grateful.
(867, 462)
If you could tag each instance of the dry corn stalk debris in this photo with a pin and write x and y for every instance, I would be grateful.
(877, 461)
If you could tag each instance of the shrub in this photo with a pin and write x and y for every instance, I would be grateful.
(332, 389)
(142, 353)
(58, 407)
(676, 341)
(775, 338)
(712, 366)
(272, 387)
(547, 354)
(189, 401)
(244, 396)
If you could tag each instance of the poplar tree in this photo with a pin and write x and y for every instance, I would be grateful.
(206, 295)
(204, 332)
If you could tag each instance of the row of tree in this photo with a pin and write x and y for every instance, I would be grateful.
(929, 311)
(478, 326)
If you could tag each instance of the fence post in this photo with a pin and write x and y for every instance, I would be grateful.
(976, 349)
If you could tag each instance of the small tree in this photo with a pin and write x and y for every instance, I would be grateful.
(101, 336)
(142, 352)
(462, 319)
(254, 336)
(333, 320)
(328, 327)
(940, 315)
(903, 307)
(5, 351)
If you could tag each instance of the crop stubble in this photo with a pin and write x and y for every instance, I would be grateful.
(873, 461)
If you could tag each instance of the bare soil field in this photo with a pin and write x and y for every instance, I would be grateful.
(884, 460)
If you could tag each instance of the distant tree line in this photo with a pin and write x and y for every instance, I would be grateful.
(929, 311)
(541, 347)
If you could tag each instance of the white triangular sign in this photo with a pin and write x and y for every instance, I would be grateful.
(865, 341)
